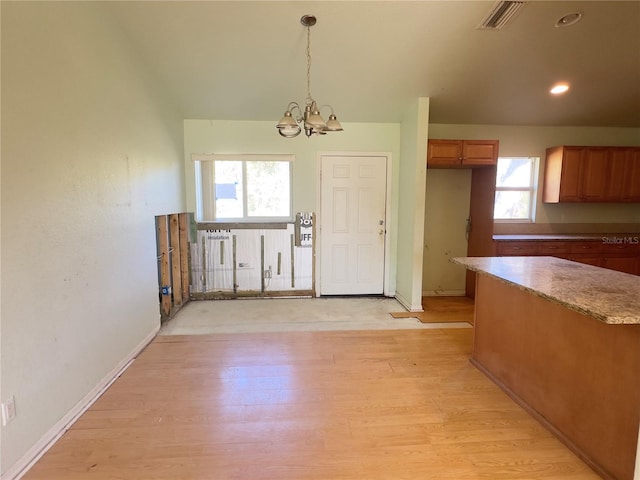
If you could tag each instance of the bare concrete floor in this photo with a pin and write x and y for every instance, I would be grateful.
(294, 314)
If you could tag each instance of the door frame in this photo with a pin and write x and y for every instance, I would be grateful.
(387, 292)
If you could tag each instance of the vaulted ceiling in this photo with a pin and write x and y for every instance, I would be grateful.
(245, 60)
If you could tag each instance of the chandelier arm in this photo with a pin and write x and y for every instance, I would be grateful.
(294, 106)
(328, 106)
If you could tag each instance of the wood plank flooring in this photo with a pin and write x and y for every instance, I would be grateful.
(442, 310)
(396, 405)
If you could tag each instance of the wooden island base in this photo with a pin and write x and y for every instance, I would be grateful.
(578, 376)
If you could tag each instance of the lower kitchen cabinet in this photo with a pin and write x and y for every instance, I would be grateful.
(620, 253)
(622, 264)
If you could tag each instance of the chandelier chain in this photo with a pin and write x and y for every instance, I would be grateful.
(309, 98)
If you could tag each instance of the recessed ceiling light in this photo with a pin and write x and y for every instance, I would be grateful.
(569, 19)
(559, 88)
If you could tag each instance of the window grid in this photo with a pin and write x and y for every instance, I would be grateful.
(217, 200)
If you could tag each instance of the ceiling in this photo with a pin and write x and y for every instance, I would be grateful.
(246, 60)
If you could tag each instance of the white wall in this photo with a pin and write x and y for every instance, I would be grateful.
(412, 204)
(217, 136)
(90, 153)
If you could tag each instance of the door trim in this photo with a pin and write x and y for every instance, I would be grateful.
(387, 292)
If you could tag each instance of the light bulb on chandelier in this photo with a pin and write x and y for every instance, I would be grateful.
(309, 118)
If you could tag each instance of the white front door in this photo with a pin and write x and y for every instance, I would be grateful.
(352, 224)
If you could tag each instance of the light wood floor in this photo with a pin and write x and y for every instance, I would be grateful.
(442, 310)
(396, 405)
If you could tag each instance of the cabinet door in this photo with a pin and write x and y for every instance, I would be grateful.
(594, 174)
(617, 173)
(596, 261)
(591, 248)
(517, 248)
(570, 179)
(622, 264)
(446, 153)
(631, 192)
(554, 248)
(479, 152)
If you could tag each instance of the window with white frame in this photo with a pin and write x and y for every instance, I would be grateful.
(243, 188)
(516, 189)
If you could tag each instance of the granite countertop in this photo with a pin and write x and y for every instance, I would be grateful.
(606, 295)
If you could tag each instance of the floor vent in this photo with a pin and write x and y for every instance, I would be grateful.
(500, 15)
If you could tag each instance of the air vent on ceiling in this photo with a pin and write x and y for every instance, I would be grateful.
(501, 13)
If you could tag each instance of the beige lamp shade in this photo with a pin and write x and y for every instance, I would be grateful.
(333, 125)
(287, 121)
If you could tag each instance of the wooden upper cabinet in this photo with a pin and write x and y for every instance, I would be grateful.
(592, 174)
(461, 153)
(617, 174)
(479, 152)
(631, 186)
(446, 153)
(562, 174)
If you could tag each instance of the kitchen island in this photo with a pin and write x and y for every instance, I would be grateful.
(563, 340)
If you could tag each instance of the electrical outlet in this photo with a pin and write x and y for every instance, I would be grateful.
(9, 410)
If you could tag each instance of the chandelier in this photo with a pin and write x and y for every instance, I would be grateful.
(290, 124)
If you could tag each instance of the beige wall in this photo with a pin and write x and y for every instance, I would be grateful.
(446, 212)
(91, 151)
(415, 127)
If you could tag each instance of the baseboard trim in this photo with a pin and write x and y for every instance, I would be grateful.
(443, 293)
(407, 304)
(22, 466)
